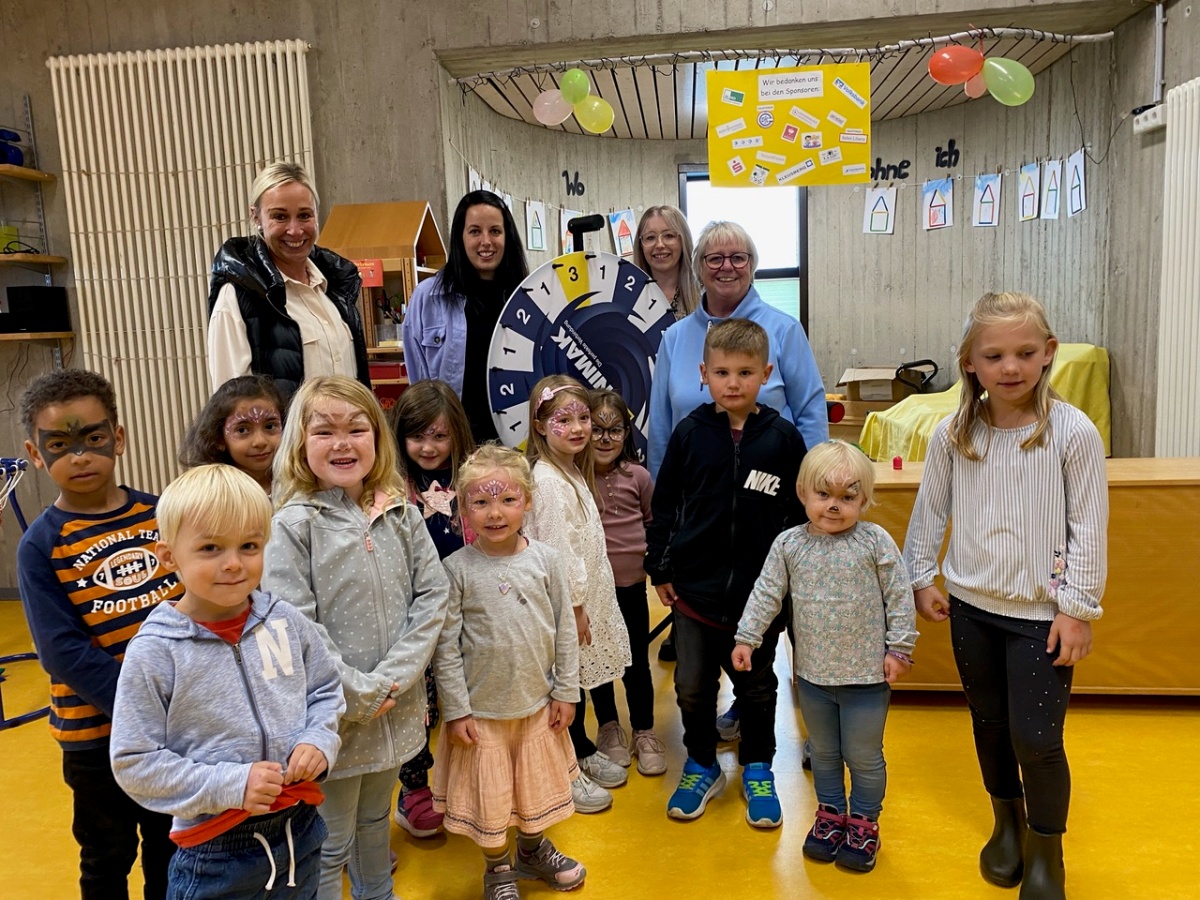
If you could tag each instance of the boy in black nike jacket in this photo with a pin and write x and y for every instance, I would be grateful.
(723, 494)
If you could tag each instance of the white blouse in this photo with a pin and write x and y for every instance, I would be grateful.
(575, 530)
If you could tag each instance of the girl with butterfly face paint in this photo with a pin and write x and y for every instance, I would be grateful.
(566, 516)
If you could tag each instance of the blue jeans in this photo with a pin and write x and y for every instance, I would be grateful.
(357, 810)
(236, 864)
(845, 725)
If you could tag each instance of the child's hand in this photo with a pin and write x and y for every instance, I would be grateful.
(462, 731)
(562, 714)
(931, 604)
(1071, 637)
(583, 626)
(263, 785)
(305, 764)
(741, 657)
(666, 593)
(387, 705)
(894, 668)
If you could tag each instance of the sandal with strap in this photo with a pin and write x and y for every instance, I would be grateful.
(501, 884)
(560, 872)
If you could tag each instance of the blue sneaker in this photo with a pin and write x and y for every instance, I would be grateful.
(762, 803)
(697, 786)
(729, 728)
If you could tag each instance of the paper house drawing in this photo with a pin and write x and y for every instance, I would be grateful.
(880, 216)
(937, 209)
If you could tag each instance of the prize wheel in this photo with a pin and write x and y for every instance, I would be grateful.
(594, 316)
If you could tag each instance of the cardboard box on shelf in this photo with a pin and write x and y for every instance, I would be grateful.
(874, 384)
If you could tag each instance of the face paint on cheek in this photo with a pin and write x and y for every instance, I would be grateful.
(76, 438)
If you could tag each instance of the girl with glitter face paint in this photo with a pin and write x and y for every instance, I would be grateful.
(240, 425)
(565, 515)
(434, 438)
(507, 668)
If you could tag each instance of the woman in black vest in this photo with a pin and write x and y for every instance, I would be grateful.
(278, 304)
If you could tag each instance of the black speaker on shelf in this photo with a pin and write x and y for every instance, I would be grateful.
(35, 308)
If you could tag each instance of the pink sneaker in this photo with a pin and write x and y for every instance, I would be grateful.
(416, 815)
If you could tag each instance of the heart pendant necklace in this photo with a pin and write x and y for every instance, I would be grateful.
(502, 582)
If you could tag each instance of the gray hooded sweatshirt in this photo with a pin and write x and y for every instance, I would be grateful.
(377, 592)
(193, 711)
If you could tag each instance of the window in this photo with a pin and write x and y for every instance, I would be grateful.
(776, 218)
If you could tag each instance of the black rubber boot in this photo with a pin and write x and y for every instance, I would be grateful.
(1044, 878)
(1000, 860)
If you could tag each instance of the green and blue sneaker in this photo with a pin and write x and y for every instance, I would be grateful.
(762, 803)
(698, 785)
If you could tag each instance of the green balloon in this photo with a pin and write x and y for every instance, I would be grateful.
(1008, 81)
(574, 85)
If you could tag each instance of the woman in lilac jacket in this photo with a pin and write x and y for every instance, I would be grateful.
(450, 319)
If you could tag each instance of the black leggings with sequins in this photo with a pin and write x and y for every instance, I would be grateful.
(1018, 701)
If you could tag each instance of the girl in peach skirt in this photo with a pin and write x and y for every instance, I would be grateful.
(507, 668)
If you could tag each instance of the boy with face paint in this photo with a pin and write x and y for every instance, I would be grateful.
(89, 576)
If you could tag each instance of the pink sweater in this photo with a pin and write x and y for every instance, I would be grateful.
(625, 512)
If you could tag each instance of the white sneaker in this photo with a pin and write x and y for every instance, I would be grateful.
(650, 752)
(614, 743)
(603, 770)
(589, 797)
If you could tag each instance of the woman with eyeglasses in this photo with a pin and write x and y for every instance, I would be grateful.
(663, 247)
(726, 258)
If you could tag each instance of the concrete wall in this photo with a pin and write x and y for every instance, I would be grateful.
(383, 117)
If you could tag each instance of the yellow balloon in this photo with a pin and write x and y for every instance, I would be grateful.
(594, 114)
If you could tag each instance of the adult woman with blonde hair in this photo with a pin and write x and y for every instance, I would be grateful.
(663, 247)
(278, 304)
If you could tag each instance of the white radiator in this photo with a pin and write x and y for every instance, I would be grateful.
(1177, 429)
(159, 150)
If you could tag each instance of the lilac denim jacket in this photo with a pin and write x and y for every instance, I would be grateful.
(435, 334)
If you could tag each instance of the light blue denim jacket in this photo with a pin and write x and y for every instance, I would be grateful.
(194, 712)
(794, 390)
(435, 334)
(377, 592)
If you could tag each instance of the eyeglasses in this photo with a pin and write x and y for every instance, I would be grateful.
(616, 433)
(738, 260)
(667, 237)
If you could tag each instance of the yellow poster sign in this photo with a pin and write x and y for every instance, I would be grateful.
(803, 126)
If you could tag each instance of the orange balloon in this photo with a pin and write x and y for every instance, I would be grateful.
(955, 64)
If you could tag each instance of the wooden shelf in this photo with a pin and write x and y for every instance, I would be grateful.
(38, 336)
(377, 382)
(36, 259)
(24, 173)
(427, 270)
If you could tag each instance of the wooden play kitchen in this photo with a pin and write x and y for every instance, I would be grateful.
(1147, 640)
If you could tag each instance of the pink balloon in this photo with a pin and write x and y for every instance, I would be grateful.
(550, 108)
(975, 87)
(955, 64)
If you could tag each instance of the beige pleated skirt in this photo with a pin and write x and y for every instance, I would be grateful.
(518, 773)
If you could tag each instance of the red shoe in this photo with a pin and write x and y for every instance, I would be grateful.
(416, 815)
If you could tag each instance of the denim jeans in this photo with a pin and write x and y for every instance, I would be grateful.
(357, 811)
(845, 726)
(236, 864)
(106, 826)
(704, 651)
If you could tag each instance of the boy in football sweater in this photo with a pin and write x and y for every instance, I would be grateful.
(88, 578)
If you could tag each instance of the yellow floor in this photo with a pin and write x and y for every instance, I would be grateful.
(1132, 833)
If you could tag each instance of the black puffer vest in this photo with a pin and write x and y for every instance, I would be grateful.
(275, 345)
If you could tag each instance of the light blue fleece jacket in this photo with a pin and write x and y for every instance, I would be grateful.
(377, 592)
(794, 390)
(193, 711)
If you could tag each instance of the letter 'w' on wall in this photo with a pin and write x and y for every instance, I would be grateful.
(159, 149)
